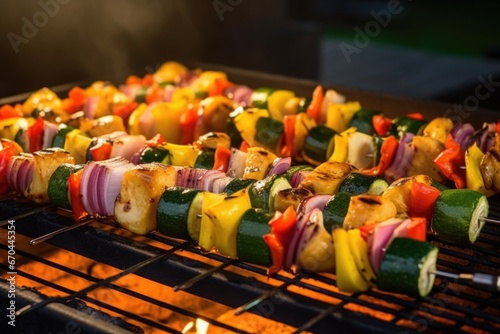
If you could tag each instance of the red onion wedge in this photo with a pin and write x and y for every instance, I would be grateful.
(279, 166)
(236, 166)
(380, 240)
(402, 160)
(90, 107)
(298, 177)
(128, 145)
(49, 131)
(209, 178)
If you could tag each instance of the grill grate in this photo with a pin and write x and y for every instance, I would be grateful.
(452, 306)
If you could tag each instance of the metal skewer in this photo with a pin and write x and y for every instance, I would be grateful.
(82, 222)
(487, 280)
(201, 276)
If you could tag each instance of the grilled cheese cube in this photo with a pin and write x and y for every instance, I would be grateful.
(368, 209)
(257, 163)
(327, 177)
(46, 162)
(137, 202)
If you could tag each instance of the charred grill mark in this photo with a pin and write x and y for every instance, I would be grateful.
(369, 201)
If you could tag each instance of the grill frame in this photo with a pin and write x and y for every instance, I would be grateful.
(238, 289)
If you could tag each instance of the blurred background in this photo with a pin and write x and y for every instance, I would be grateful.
(420, 49)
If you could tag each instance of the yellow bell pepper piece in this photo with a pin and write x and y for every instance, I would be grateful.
(133, 120)
(169, 71)
(276, 102)
(349, 278)
(303, 124)
(339, 115)
(42, 99)
(76, 144)
(182, 155)
(246, 122)
(438, 128)
(207, 231)
(183, 94)
(359, 251)
(341, 142)
(225, 217)
(9, 127)
(474, 178)
(206, 80)
(166, 117)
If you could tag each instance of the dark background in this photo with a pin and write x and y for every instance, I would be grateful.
(110, 39)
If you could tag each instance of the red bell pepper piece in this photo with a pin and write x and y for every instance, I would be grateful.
(124, 111)
(498, 127)
(387, 152)
(221, 158)
(450, 162)
(416, 115)
(74, 186)
(35, 135)
(148, 80)
(422, 199)
(417, 229)
(282, 225)
(367, 230)
(8, 149)
(277, 253)
(219, 86)
(244, 146)
(8, 111)
(289, 135)
(76, 100)
(133, 80)
(156, 141)
(381, 124)
(187, 122)
(101, 151)
(154, 94)
(314, 108)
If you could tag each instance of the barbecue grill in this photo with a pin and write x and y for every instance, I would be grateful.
(305, 302)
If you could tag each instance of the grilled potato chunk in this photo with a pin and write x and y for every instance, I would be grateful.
(490, 167)
(46, 162)
(136, 204)
(399, 191)
(327, 177)
(257, 163)
(291, 196)
(426, 150)
(368, 209)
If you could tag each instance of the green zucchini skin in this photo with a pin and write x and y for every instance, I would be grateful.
(336, 210)
(268, 133)
(263, 192)
(318, 143)
(205, 159)
(173, 210)
(60, 137)
(250, 245)
(363, 120)
(58, 185)
(456, 215)
(401, 125)
(237, 184)
(154, 154)
(358, 183)
(407, 267)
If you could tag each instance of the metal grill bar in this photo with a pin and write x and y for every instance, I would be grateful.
(129, 292)
(94, 301)
(315, 310)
